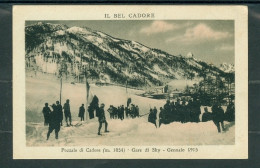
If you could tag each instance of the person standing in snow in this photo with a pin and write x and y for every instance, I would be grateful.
(207, 116)
(178, 107)
(67, 113)
(153, 116)
(81, 112)
(218, 116)
(54, 123)
(196, 109)
(93, 106)
(59, 110)
(46, 114)
(110, 110)
(161, 116)
(102, 118)
(230, 112)
(137, 111)
(122, 112)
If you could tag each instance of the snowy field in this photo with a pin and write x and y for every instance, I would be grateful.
(127, 132)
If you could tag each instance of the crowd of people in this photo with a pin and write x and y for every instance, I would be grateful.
(121, 112)
(190, 112)
(54, 118)
(180, 111)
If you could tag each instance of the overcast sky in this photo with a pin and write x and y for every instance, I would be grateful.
(210, 40)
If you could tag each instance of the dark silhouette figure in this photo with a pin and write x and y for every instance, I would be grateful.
(137, 111)
(54, 123)
(122, 112)
(185, 112)
(196, 111)
(127, 111)
(161, 116)
(67, 112)
(59, 110)
(46, 114)
(218, 116)
(93, 106)
(81, 112)
(129, 100)
(153, 116)
(230, 113)
(207, 116)
(102, 118)
(111, 110)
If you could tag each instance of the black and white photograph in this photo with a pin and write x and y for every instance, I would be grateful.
(131, 79)
(147, 79)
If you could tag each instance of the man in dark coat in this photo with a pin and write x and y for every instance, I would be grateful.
(102, 118)
(54, 123)
(137, 113)
(110, 110)
(185, 112)
(230, 113)
(196, 111)
(122, 112)
(132, 111)
(178, 107)
(207, 116)
(161, 116)
(93, 106)
(153, 116)
(46, 114)
(126, 112)
(67, 113)
(59, 110)
(167, 107)
(91, 112)
(218, 116)
(81, 112)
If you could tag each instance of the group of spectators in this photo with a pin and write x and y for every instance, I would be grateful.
(121, 112)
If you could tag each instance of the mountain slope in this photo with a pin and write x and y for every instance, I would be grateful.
(74, 51)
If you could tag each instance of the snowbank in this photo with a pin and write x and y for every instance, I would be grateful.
(127, 132)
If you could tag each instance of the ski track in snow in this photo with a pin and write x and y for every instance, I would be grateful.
(127, 132)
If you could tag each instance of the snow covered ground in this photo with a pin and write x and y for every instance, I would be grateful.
(127, 132)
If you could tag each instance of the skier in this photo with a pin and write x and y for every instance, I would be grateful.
(54, 123)
(102, 118)
(46, 113)
(81, 112)
(67, 113)
(59, 110)
(218, 116)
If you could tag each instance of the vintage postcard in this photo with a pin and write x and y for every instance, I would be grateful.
(130, 82)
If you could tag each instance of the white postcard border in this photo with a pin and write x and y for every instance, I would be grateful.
(164, 12)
